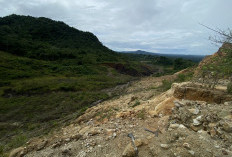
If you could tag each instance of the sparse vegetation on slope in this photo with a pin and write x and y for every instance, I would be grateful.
(229, 88)
(216, 67)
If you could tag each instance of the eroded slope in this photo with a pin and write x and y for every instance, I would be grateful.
(163, 124)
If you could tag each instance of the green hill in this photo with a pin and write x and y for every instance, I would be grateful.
(43, 38)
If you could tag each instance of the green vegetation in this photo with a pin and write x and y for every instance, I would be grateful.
(167, 84)
(51, 73)
(40, 95)
(42, 38)
(106, 114)
(229, 88)
(141, 114)
(136, 103)
(163, 65)
(184, 77)
(219, 66)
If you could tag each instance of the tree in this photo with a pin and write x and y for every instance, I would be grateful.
(221, 37)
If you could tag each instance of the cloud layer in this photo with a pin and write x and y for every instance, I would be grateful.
(161, 26)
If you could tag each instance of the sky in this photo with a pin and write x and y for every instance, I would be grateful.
(161, 26)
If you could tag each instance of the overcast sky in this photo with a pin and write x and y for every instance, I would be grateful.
(162, 26)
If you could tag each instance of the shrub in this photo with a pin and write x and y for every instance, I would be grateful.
(184, 77)
(166, 85)
(229, 88)
(142, 114)
(17, 141)
(67, 88)
(181, 78)
(136, 103)
(1, 149)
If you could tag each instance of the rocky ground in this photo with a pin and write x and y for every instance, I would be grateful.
(187, 120)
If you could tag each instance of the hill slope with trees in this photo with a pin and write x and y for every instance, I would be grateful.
(43, 38)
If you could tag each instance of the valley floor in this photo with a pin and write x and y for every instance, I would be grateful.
(186, 120)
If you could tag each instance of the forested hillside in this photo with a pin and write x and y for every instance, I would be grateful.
(43, 38)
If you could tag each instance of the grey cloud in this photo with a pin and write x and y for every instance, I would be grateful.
(153, 25)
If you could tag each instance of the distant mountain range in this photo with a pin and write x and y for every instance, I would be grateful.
(195, 58)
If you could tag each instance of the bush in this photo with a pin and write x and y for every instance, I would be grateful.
(184, 77)
(17, 141)
(229, 88)
(142, 114)
(166, 85)
(136, 103)
(181, 78)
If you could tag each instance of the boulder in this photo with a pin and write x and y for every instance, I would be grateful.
(194, 111)
(164, 146)
(41, 145)
(227, 126)
(129, 151)
(165, 107)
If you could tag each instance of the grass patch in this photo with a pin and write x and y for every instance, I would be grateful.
(166, 84)
(184, 77)
(229, 88)
(39, 95)
(39, 114)
(105, 114)
(17, 141)
(141, 114)
(136, 103)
